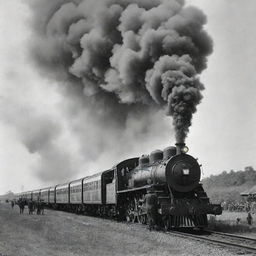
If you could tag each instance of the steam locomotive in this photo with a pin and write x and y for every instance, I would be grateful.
(172, 175)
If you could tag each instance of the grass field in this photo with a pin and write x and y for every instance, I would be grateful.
(227, 222)
(65, 234)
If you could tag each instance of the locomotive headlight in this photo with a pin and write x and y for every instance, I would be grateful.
(185, 171)
(184, 149)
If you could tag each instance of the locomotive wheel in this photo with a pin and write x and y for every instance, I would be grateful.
(130, 217)
(142, 219)
(166, 223)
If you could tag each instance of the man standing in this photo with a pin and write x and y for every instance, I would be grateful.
(38, 206)
(249, 218)
(151, 207)
(21, 204)
(42, 207)
(30, 207)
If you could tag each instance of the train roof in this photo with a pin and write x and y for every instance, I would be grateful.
(126, 161)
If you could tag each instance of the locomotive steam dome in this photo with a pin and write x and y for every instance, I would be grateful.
(143, 160)
(169, 152)
(155, 156)
(183, 173)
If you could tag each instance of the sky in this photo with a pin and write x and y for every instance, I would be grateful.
(222, 135)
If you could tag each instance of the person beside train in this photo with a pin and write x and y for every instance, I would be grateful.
(151, 208)
(249, 218)
(42, 206)
(21, 204)
(38, 207)
(30, 207)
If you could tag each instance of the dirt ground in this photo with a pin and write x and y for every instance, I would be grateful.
(66, 234)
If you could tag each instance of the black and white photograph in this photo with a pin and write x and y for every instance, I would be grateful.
(127, 127)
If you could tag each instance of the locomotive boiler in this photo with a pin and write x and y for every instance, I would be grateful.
(174, 177)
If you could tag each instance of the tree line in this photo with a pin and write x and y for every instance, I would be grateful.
(227, 186)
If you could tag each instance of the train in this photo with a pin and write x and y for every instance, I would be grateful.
(119, 192)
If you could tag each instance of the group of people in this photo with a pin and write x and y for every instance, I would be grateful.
(33, 206)
(248, 206)
(249, 219)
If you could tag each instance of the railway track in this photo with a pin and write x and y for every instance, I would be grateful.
(224, 239)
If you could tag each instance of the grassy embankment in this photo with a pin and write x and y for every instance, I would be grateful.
(227, 222)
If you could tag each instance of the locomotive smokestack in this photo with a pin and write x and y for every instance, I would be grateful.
(179, 146)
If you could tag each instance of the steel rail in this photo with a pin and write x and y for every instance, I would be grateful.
(216, 241)
(232, 235)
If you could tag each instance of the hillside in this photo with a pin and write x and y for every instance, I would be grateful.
(227, 186)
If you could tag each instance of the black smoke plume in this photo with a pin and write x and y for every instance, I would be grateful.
(127, 57)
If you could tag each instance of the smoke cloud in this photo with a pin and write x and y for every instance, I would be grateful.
(127, 56)
(42, 136)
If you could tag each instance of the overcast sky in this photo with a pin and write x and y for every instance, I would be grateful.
(222, 135)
